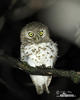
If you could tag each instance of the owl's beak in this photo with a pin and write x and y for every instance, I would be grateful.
(37, 39)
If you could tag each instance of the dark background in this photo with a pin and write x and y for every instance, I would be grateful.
(16, 84)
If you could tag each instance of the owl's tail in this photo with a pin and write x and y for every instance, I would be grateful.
(41, 89)
(41, 83)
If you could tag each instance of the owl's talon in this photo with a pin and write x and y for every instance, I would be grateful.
(42, 66)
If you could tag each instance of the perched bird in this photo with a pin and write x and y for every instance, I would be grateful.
(38, 49)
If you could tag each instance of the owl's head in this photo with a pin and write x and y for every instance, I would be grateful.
(35, 32)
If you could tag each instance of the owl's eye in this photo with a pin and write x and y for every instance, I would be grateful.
(31, 34)
(41, 33)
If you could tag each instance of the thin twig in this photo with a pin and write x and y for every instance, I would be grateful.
(39, 70)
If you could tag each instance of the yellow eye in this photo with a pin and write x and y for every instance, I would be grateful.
(30, 34)
(41, 33)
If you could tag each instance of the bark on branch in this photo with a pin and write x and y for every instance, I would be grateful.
(39, 70)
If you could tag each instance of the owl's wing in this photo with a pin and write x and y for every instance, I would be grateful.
(22, 53)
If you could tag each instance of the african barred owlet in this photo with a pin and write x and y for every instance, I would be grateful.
(38, 49)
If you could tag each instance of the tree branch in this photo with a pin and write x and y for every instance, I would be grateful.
(39, 70)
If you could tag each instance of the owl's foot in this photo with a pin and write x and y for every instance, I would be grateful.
(42, 66)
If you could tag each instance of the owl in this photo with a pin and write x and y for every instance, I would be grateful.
(38, 49)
